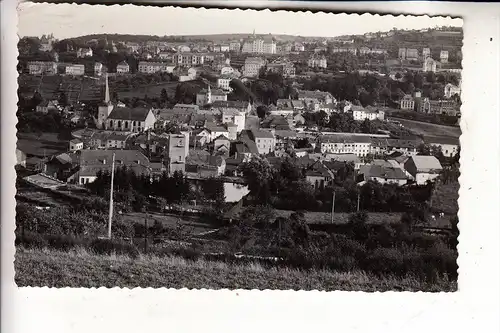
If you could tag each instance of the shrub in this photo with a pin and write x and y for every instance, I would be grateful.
(31, 240)
(64, 242)
(110, 246)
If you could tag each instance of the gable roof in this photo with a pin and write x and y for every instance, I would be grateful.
(137, 114)
(380, 171)
(426, 163)
(262, 134)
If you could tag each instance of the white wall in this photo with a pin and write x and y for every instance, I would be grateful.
(234, 192)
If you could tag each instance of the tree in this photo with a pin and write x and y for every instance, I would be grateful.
(164, 96)
(36, 99)
(398, 76)
(63, 99)
(258, 175)
(262, 111)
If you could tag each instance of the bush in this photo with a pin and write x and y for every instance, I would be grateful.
(114, 246)
(31, 240)
(65, 242)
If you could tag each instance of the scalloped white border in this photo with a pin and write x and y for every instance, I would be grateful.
(35, 309)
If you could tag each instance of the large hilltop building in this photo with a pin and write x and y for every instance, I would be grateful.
(254, 44)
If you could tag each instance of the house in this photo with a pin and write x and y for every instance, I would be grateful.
(42, 67)
(264, 140)
(148, 67)
(229, 71)
(243, 149)
(61, 166)
(222, 145)
(98, 69)
(75, 145)
(234, 116)
(449, 146)
(276, 122)
(204, 165)
(215, 130)
(75, 69)
(322, 96)
(423, 168)
(384, 174)
(345, 144)
(318, 175)
(93, 161)
(443, 56)
(430, 65)
(47, 106)
(188, 59)
(208, 96)
(122, 68)
(451, 90)
(241, 106)
(177, 152)
(84, 52)
(223, 82)
(407, 103)
(252, 66)
(188, 75)
(359, 113)
(317, 62)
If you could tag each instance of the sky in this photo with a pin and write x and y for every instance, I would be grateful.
(69, 20)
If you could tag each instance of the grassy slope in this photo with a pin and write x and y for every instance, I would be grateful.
(82, 269)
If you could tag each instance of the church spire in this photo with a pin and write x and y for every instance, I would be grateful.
(106, 96)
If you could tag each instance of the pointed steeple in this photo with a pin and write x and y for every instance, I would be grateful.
(106, 95)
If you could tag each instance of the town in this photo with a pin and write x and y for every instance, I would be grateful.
(245, 146)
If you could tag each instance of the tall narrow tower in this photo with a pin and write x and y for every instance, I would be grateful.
(209, 95)
(105, 108)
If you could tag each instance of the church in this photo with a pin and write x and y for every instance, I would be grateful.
(115, 118)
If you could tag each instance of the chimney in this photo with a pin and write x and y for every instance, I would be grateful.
(103, 161)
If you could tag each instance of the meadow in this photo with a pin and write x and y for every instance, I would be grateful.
(84, 269)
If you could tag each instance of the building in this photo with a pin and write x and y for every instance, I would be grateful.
(94, 161)
(448, 107)
(319, 176)
(183, 59)
(47, 106)
(75, 69)
(42, 67)
(149, 67)
(104, 108)
(449, 146)
(241, 106)
(178, 149)
(98, 69)
(426, 53)
(429, 65)
(264, 140)
(451, 90)
(423, 168)
(443, 56)
(183, 49)
(235, 46)
(20, 158)
(204, 165)
(317, 62)
(213, 131)
(407, 103)
(223, 82)
(84, 52)
(283, 67)
(123, 68)
(234, 116)
(383, 174)
(359, 113)
(222, 145)
(359, 145)
(253, 45)
(46, 43)
(252, 66)
(130, 120)
(323, 97)
(207, 96)
(230, 71)
(402, 53)
(269, 45)
(75, 144)
(411, 54)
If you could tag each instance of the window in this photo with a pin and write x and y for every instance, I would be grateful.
(180, 158)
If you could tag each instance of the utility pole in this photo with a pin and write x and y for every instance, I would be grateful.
(333, 205)
(359, 194)
(111, 197)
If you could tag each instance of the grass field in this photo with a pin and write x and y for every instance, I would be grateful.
(51, 268)
(194, 224)
(47, 144)
(445, 198)
(343, 218)
(428, 129)
(153, 90)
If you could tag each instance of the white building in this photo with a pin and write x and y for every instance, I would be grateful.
(75, 69)
(450, 90)
(207, 96)
(341, 144)
(147, 67)
(252, 66)
(359, 114)
(430, 65)
(75, 144)
(443, 56)
(84, 52)
(423, 168)
(234, 116)
(426, 53)
(223, 82)
(407, 103)
(123, 68)
(317, 62)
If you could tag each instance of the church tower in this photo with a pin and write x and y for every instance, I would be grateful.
(105, 108)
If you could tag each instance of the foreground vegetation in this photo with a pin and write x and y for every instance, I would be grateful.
(81, 268)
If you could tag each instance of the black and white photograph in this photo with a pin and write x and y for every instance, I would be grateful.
(178, 147)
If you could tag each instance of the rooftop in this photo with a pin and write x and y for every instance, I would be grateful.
(137, 114)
